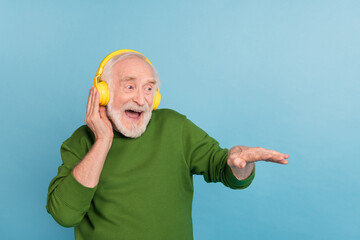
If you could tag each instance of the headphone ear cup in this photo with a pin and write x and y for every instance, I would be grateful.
(104, 91)
(157, 99)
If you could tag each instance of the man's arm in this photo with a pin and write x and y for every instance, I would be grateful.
(88, 171)
(205, 157)
(71, 191)
(242, 159)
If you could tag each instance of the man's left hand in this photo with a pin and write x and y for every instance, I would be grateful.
(239, 156)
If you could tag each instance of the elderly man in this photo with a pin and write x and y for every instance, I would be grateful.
(127, 173)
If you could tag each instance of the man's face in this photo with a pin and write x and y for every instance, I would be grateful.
(131, 102)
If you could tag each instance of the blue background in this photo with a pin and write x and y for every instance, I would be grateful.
(282, 75)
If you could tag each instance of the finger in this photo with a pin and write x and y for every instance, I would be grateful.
(277, 159)
(262, 154)
(279, 153)
(92, 101)
(242, 163)
(104, 116)
(94, 107)
(239, 163)
(102, 110)
(267, 157)
(284, 155)
(280, 162)
(96, 101)
(88, 102)
(254, 156)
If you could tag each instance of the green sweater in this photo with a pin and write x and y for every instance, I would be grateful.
(145, 189)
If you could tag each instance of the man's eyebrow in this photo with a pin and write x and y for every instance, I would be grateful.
(127, 79)
(152, 81)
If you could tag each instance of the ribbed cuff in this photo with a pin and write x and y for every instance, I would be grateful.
(74, 194)
(238, 184)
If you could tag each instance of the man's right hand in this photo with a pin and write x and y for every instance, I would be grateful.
(87, 171)
(97, 119)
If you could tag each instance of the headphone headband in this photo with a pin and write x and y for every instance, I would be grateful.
(113, 54)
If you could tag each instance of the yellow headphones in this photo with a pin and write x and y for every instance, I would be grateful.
(103, 88)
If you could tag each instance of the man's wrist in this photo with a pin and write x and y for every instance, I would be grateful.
(104, 143)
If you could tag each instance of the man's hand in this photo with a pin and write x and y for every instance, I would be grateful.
(87, 171)
(239, 156)
(97, 119)
(241, 159)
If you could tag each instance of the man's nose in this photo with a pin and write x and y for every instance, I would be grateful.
(139, 97)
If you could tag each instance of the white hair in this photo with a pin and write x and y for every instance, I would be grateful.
(106, 76)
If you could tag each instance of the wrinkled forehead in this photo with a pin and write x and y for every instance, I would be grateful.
(134, 79)
(133, 68)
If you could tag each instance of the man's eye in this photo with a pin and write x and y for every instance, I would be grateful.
(128, 87)
(148, 88)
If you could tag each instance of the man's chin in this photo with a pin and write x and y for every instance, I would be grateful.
(132, 131)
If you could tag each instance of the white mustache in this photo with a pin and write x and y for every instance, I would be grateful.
(134, 107)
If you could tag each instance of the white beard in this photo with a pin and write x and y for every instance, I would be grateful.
(134, 131)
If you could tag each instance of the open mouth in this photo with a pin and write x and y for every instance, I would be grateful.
(133, 114)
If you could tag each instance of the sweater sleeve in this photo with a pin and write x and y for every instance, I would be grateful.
(68, 201)
(207, 158)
